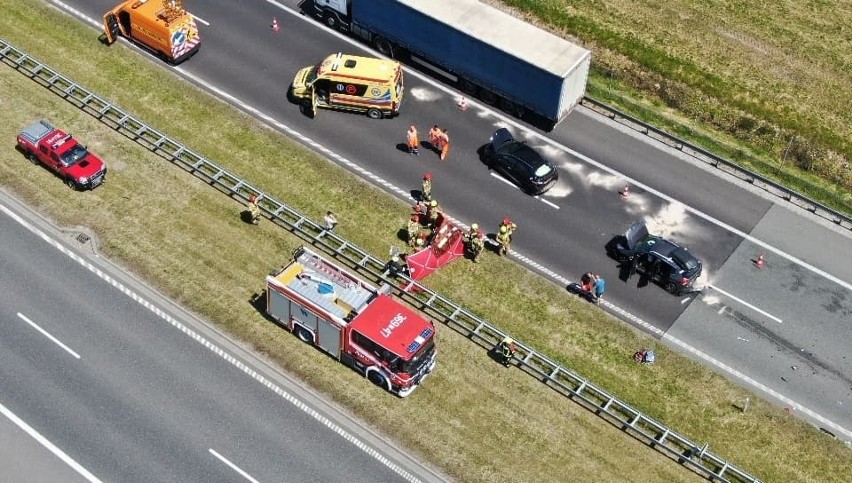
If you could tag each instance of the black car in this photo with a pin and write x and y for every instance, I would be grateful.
(662, 261)
(519, 163)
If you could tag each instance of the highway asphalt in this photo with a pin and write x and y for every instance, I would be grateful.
(712, 215)
(137, 392)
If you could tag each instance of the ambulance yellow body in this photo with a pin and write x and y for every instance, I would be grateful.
(163, 27)
(351, 83)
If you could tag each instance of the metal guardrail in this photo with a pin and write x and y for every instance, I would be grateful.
(723, 164)
(677, 447)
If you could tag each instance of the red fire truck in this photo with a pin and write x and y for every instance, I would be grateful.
(355, 322)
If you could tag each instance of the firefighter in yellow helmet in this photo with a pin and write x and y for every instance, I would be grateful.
(426, 188)
(507, 350)
(433, 212)
(510, 225)
(504, 241)
(474, 239)
(413, 229)
(253, 210)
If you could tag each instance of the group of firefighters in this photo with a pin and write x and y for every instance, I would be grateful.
(427, 212)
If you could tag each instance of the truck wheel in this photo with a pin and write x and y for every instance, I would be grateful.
(488, 97)
(332, 21)
(468, 87)
(32, 157)
(384, 46)
(378, 379)
(374, 113)
(511, 108)
(304, 334)
(71, 184)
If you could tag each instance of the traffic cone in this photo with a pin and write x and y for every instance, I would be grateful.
(760, 262)
(274, 24)
(625, 193)
(462, 104)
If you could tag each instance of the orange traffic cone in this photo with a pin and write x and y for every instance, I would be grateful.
(462, 104)
(760, 262)
(274, 24)
(625, 193)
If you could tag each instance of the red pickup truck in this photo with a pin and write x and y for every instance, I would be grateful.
(60, 152)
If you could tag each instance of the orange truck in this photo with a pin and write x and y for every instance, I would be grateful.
(162, 27)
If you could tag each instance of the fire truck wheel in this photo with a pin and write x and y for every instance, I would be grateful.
(32, 157)
(304, 335)
(378, 379)
(71, 184)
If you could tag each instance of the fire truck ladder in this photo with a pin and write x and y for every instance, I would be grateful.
(620, 414)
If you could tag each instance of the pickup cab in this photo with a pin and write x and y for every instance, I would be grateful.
(59, 151)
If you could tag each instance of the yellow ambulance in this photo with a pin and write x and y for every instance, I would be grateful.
(350, 83)
(163, 27)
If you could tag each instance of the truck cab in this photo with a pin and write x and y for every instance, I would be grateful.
(353, 321)
(162, 27)
(351, 83)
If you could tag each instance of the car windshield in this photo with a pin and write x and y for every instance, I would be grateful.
(543, 170)
(414, 364)
(312, 75)
(73, 155)
(685, 259)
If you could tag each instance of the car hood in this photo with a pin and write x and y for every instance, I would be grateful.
(634, 233)
(86, 167)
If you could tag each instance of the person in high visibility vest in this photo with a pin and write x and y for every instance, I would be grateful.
(445, 144)
(510, 225)
(412, 140)
(413, 229)
(504, 241)
(435, 138)
(507, 350)
(432, 213)
(426, 188)
(253, 209)
(474, 238)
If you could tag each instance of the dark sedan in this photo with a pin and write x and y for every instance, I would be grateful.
(519, 163)
(661, 260)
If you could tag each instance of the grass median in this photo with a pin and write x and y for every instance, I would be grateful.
(472, 418)
(771, 79)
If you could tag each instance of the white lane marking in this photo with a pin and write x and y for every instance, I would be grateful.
(497, 115)
(50, 446)
(546, 202)
(233, 466)
(559, 278)
(47, 334)
(533, 134)
(743, 302)
(205, 22)
(495, 175)
(313, 413)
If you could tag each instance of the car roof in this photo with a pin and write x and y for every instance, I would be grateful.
(523, 152)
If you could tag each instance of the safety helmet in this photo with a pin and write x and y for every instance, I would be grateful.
(507, 221)
(433, 203)
(502, 229)
(427, 176)
(474, 226)
(395, 258)
(253, 198)
(419, 242)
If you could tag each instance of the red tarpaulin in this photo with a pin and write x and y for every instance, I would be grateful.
(446, 244)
